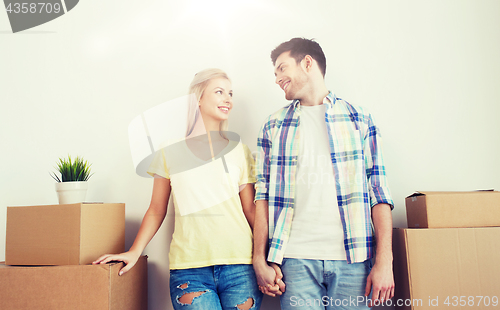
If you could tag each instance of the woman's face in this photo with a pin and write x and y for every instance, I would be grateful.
(216, 101)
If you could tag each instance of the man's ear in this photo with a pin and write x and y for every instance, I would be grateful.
(307, 63)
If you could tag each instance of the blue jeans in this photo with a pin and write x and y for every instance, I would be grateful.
(324, 284)
(215, 287)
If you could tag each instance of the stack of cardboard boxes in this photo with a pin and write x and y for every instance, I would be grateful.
(448, 256)
(48, 256)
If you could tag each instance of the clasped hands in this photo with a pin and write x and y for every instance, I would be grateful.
(269, 278)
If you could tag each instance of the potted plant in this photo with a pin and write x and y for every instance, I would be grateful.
(72, 186)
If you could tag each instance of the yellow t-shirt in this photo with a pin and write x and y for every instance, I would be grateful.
(210, 226)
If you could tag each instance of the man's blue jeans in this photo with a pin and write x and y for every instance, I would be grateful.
(215, 287)
(324, 284)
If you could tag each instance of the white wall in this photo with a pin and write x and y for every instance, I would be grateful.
(429, 71)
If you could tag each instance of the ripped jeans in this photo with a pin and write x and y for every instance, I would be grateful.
(215, 287)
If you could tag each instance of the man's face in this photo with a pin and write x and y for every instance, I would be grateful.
(290, 76)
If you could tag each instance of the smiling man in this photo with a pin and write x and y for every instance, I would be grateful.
(323, 208)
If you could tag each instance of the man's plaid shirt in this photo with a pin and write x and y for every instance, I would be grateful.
(355, 146)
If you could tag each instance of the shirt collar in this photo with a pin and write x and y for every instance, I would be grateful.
(329, 100)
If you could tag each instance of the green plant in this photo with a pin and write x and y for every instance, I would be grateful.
(72, 170)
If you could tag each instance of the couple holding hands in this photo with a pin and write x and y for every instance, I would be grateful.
(311, 223)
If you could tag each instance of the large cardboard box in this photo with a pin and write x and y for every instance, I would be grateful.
(453, 209)
(72, 234)
(446, 268)
(74, 287)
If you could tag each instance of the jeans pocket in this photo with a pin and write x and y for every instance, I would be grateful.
(368, 265)
(283, 262)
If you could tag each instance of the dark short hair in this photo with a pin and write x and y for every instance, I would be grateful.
(299, 48)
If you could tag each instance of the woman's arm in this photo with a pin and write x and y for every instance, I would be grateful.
(247, 194)
(150, 224)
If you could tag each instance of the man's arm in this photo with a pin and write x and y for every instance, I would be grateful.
(268, 277)
(381, 279)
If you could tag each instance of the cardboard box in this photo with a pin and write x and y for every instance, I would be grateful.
(453, 209)
(443, 267)
(72, 234)
(74, 287)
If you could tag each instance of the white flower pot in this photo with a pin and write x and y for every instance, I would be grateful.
(71, 192)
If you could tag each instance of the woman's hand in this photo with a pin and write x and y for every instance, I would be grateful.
(129, 258)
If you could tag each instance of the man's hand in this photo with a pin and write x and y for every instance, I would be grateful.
(380, 282)
(269, 278)
(279, 278)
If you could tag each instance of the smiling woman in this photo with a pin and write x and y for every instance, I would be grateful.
(212, 194)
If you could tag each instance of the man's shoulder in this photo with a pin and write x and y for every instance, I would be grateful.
(352, 108)
(277, 116)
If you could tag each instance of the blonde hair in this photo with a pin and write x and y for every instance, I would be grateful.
(197, 87)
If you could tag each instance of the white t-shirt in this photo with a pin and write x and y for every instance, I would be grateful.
(317, 231)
